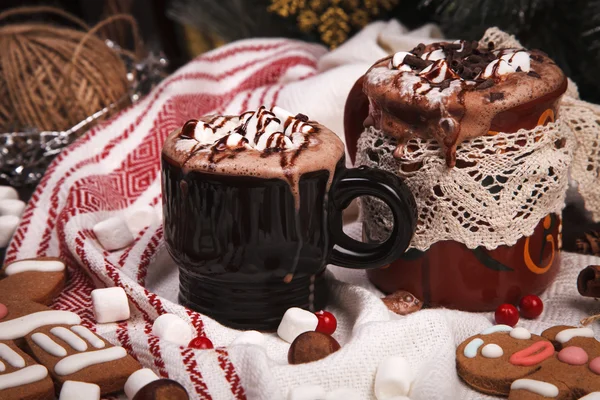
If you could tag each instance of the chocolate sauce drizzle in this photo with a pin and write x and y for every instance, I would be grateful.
(412, 100)
(465, 60)
(223, 148)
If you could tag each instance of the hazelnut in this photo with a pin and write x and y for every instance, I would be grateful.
(311, 346)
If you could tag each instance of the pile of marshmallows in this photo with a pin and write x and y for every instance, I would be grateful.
(309, 335)
(11, 209)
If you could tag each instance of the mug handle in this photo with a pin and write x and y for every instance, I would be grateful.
(363, 181)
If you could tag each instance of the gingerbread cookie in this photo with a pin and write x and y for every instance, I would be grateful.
(74, 353)
(38, 280)
(563, 363)
(21, 377)
(67, 350)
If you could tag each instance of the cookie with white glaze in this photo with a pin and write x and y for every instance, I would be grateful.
(27, 287)
(74, 353)
(563, 363)
(21, 377)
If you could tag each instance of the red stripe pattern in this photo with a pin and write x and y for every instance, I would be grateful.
(117, 165)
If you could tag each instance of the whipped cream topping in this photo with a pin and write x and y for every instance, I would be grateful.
(261, 130)
(436, 66)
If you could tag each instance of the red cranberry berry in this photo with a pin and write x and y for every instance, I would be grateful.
(507, 314)
(531, 306)
(201, 342)
(327, 322)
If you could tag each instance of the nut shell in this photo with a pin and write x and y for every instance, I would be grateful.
(162, 389)
(402, 302)
(311, 346)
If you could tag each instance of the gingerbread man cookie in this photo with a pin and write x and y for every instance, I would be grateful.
(563, 363)
(21, 377)
(65, 349)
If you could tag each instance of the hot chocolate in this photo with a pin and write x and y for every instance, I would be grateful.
(264, 144)
(252, 214)
(456, 91)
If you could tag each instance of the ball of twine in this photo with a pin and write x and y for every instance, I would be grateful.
(52, 77)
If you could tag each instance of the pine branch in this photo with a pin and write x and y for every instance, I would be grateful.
(569, 31)
(233, 19)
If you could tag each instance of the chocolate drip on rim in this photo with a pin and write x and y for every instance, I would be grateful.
(443, 90)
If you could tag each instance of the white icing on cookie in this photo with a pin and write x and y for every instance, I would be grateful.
(19, 327)
(23, 376)
(568, 334)
(520, 333)
(89, 336)
(48, 345)
(11, 356)
(471, 348)
(496, 328)
(2, 367)
(70, 338)
(77, 362)
(492, 350)
(35, 265)
(542, 388)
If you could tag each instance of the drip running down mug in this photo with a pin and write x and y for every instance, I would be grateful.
(249, 247)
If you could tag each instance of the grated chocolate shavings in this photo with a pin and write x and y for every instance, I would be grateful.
(416, 62)
(419, 50)
(536, 57)
(495, 96)
(301, 117)
(445, 84)
(488, 83)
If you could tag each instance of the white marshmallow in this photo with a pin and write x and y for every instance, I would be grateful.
(8, 226)
(140, 218)
(205, 134)
(393, 378)
(173, 329)
(110, 305)
(12, 207)
(113, 233)
(434, 55)
(74, 390)
(262, 141)
(398, 58)
(296, 321)
(249, 337)
(281, 114)
(138, 380)
(307, 392)
(503, 68)
(518, 59)
(235, 140)
(8, 192)
(342, 394)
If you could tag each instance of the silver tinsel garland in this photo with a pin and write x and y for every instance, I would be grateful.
(24, 156)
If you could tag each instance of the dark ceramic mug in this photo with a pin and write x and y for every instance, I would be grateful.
(246, 254)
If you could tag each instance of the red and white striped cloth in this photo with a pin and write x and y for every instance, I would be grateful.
(115, 167)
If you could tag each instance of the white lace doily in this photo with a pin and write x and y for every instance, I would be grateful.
(583, 119)
(500, 189)
(502, 186)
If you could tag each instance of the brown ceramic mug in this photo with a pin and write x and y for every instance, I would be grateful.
(449, 274)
